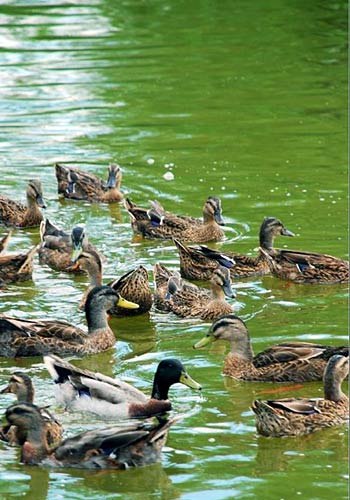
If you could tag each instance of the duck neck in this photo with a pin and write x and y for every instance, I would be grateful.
(160, 390)
(95, 276)
(266, 240)
(217, 292)
(25, 395)
(242, 348)
(96, 317)
(332, 389)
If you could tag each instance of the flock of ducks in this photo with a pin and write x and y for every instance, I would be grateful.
(140, 440)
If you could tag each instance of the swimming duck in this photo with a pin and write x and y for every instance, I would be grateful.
(133, 285)
(158, 223)
(119, 447)
(199, 263)
(22, 386)
(300, 416)
(193, 301)
(17, 267)
(78, 185)
(13, 213)
(288, 361)
(83, 390)
(20, 337)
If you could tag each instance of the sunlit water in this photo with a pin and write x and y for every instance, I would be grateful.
(244, 100)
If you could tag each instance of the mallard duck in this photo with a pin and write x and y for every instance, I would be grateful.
(4, 241)
(132, 286)
(157, 223)
(119, 447)
(19, 337)
(193, 301)
(83, 390)
(17, 267)
(289, 361)
(199, 263)
(78, 185)
(300, 416)
(22, 386)
(13, 213)
(57, 246)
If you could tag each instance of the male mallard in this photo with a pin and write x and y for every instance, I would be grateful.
(157, 223)
(17, 267)
(78, 185)
(13, 213)
(132, 286)
(22, 386)
(57, 246)
(289, 361)
(193, 301)
(132, 445)
(19, 337)
(199, 263)
(299, 416)
(83, 390)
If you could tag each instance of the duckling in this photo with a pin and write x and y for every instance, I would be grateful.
(199, 263)
(13, 213)
(83, 390)
(289, 361)
(193, 301)
(20, 337)
(119, 447)
(133, 285)
(22, 386)
(78, 185)
(157, 223)
(300, 416)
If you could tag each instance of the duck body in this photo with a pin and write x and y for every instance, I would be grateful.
(199, 263)
(13, 213)
(300, 416)
(133, 445)
(22, 338)
(76, 184)
(17, 267)
(83, 390)
(160, 224)
(285, 362)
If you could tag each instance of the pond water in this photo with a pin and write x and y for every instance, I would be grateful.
(244, 100)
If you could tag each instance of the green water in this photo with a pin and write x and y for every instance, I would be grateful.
(244, 100)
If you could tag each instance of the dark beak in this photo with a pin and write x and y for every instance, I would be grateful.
(40, 201)
(286, 232)
(111, 179)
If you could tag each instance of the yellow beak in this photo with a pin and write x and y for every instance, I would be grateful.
(126, 303)
(187, 380)
(208, 339)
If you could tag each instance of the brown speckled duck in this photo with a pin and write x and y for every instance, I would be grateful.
(20, 337)
(13, 213)
(21, 385)
(17, 267)
(285, 362)
(83, 390)
(78, 185)
(300, 416)
(191, 300)
(199, 263)
(158, 223)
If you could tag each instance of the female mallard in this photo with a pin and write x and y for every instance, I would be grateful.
(22, 386)
(157, 223)
(199, 263)
(78, 185)
(57, 246)
(118, 447)
(289, 361)
(19, 337)
(13, 213)
(300, 416)
(17, 267)
(132, 286)
(193, 301)
(83, 390)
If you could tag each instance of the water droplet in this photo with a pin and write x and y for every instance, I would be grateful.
(150, 161)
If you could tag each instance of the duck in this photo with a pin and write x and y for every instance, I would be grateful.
(76, 184)
(301, 416)
(5, 241)
(193, 301)
(57, 246)
(118, 447)
(22, 338)
(158, 223)
(22, 386)
(285, 362)
(83, 390)
(132, 285)
(13, 213)
(199, 263)
(15, 267)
